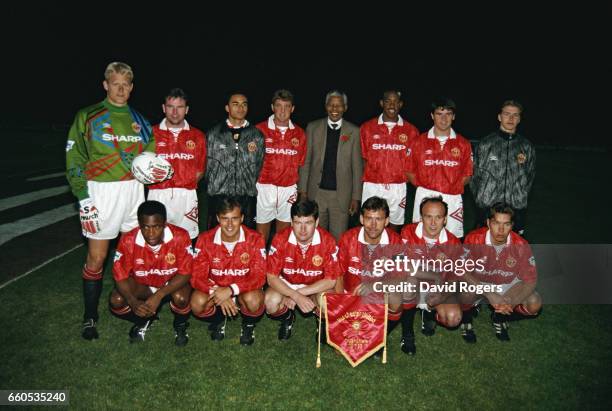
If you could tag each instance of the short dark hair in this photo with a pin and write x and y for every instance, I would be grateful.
(513, 103)
(501, 208)
(443, 103)
(375, 204)
(386, 93)
(177, 93)
(227, 204)
(152, 207)
(282, 94)
(235, 93)
(433, 199)
(305, 208)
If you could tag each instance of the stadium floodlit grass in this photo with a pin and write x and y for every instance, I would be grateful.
(559, 360)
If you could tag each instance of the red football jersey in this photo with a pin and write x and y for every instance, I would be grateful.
(441, 167)
(135, 258)
(513, 262)
(351, 255)
(286, 260)
(243, 269)
(386, 153)
(284, 154)
(186, 153)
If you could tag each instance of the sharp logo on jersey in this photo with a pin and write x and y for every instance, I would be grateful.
(127, 139)
(288, 259)
(403, 138)
(445, 163)
(355, 259)
(272, 250)
(176, 156)
(216, 260)
(244, 258)
(136, 127)
(510, 262)
(301, 271)
(170, 258)
(118, 256)
(284, 151)
(252, 146)
(354, 270)
(455, 152)
(295, 142)
(317, 260)
(139, 261)
(69, 145)
(155, 271)
(428, 152)
(393, 147)
(230, 271)
(190, 144)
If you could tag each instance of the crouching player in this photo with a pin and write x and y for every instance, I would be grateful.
(152, 262)
(302, 264)
(508, 276)
(429, 240)
(360, 246)
(229, 265)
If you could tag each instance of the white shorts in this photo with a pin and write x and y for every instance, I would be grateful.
(117, 203)
(181, 207)
(274, 202)
(395, 194)
(454, 220)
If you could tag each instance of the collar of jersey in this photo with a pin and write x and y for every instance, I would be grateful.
(430, 134)
(316, 238)
(115, 109)
(384, 238)
(441, 239)
(217, 239)
(140, 241)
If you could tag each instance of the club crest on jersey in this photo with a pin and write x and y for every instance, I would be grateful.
(190, 144)
(244, 258)
(403, 138)
(441, 256)
(455, 152)
(295, 142)
(521, 158)
(136, 127)
(170, 258)
(252, 146)
(317, 260)
(510, 262)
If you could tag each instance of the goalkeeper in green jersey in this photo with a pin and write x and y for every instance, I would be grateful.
(102, 142)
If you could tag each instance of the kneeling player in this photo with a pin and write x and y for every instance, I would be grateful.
(152, 262)
(359, 247)
(429, 240)
(230, 262)
(302, 264)
(508, 277)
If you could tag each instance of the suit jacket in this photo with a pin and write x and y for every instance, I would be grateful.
(349, 164)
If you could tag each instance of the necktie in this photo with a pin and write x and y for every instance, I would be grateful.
(334, 126)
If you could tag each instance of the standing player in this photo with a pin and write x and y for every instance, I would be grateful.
(184, 146)
(384, 147)
(359, 246)
(102, 142)
(302, 264)
(152, 262)
(504, 167)
(431, 240)
(441, 164)
(230, 263)
(509, 266)
(285, 153)
(235, 156)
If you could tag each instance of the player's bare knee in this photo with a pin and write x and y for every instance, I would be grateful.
(533, 303)
(272, 300)
(116, 300)
(253, 300)
(452, 318)
(198, 301)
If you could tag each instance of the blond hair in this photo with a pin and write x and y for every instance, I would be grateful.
(119, 68)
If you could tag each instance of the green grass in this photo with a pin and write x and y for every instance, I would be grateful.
(560, 360)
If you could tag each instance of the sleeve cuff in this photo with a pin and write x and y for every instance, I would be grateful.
(235, 289)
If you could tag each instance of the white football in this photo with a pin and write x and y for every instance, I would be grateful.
(148, 168)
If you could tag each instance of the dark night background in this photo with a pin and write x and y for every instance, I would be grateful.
(555, 61)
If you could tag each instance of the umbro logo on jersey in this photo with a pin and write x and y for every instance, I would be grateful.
(127, 139)
(269, 140)
(375, 136)
(428, 152)
(493, 158)
(216, 260)
(139, 261)
(222, 146)
(355, 259)
(161, 144)
(289, 259)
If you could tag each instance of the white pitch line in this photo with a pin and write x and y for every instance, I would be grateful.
(47, 176)
(26, 198)
(9, 231)
(40, 266)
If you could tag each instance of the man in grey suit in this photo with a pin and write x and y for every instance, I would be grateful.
(331, 174)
